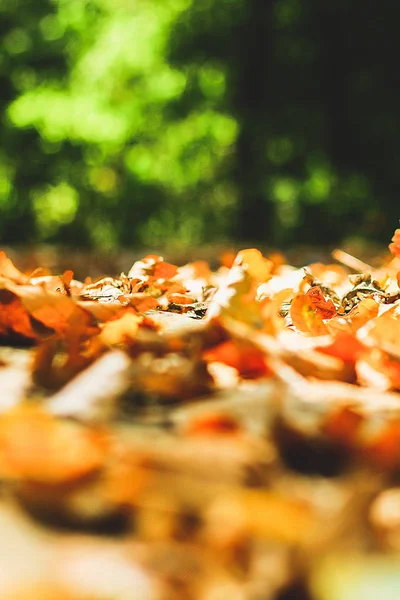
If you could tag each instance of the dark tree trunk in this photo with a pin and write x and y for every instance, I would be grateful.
(254, 212)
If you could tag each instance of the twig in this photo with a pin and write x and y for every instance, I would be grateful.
(351, 261)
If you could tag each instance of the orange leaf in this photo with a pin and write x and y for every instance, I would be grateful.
(238, 300)
(375, 369)
(181, 299)
(55, 310)
(244, 357)
(142, 302)
(393, 370)
(227, 258)
(13, 317)
(63, 284)
(323, 307)
(385, 333)
(9, 271)
(152, 265)
(52, 283)
(34, 446)
(343, 426)
(385, 448)
(361, 314)
(345, 346)
(254, 263)
(201, 269)
(212, 423)
(394, 247)
(67, 278)
(304, 316)
(101, 311)
(164, 270)
(121, 330)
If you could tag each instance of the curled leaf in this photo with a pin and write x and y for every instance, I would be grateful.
(306, 317)
(324, 307)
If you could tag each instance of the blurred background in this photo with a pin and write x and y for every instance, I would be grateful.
(131, 123)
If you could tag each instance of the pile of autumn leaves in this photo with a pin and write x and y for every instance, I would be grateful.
(259, 310)
(35, 308)
(264, 320)
(314, 353)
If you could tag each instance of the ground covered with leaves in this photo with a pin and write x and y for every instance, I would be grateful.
(187, 433)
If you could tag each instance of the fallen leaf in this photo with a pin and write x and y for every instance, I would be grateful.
(365, 311)
(324, 307)
(384, 332)
(14, 319)
(121, 330)
(255, 264)
(9, 271)
(34, 446)
(243, 356)
(305, 317)
(343, 345)
(394, 247)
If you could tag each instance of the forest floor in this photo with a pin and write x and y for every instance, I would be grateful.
(225, 428)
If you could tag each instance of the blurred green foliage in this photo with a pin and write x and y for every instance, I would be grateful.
(131, 122)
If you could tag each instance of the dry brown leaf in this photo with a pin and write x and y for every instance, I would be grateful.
(324, 307)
